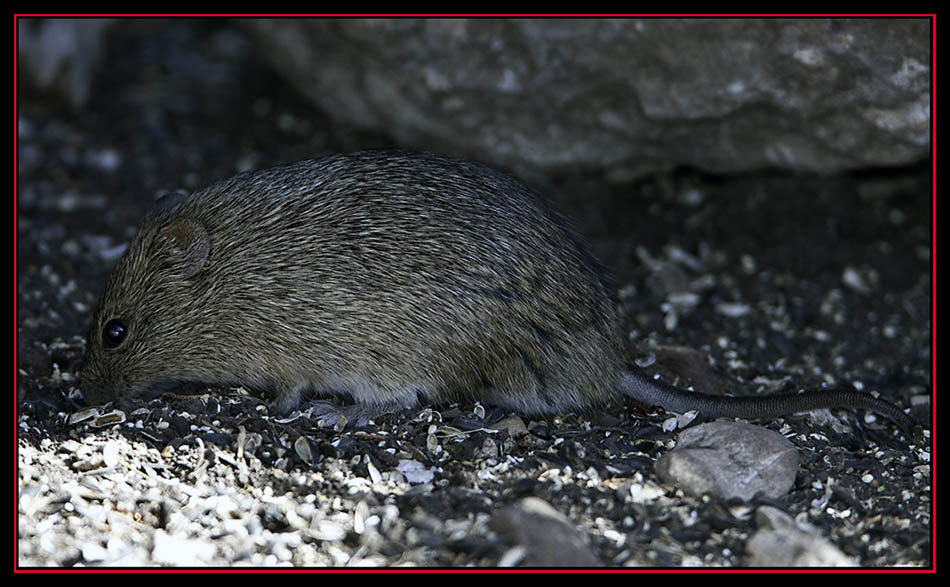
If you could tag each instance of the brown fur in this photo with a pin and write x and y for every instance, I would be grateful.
(382, 275)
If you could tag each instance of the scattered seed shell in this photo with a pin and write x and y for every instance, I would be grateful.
(82, 415)
(108, 419)
(302, 448)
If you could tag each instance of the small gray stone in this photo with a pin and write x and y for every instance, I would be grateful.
(415, 472)
(730, 459)
(179, 551)
(513, 425)
(781, 542)
(543, 536)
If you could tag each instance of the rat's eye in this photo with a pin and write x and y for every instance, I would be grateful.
(114, 332)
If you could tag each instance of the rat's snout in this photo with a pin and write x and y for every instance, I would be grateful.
(97, 386)
(100, 388)
(95, 390)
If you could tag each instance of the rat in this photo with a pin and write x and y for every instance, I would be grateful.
(391, 277)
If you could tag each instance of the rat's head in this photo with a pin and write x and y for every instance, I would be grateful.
(145, 328)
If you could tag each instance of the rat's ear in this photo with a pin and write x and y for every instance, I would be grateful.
(187, 243)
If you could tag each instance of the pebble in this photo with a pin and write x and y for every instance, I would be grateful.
(542, 536)
(783, 542)
(415, 472)
(730, 459)
(179, 551)
(513, 425)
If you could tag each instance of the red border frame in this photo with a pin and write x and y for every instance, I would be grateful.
(933, 142)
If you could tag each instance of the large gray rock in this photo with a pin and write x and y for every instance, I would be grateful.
(629, 96)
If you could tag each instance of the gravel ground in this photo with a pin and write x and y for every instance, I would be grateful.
(751, 284)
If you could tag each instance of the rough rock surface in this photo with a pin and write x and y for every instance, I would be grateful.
(626, 96)
(630, 95)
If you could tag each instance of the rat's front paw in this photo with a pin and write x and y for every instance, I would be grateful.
(331, 415)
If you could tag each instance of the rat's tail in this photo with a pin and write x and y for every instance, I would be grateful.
(641, 387)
